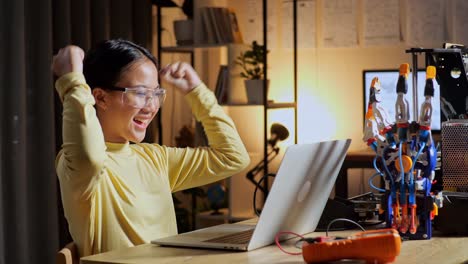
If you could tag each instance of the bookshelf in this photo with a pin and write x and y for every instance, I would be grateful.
(177, 49)
(268, 105)
(200, 42)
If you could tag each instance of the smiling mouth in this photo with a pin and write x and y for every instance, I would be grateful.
(141, 123)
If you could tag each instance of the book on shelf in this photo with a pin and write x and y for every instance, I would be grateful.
(206, 28)
(226, 24)
(220, 26)
(218, 29)
(234, 27)
(225, 94)
(222, 84)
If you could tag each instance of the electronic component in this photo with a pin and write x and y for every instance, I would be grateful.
(453, 216)
(376, 246)
(407, 158)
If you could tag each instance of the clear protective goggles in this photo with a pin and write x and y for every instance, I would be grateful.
(140, 97)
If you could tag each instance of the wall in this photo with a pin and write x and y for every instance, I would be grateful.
(330, 91)
(330, 79)
(331, 100)
(330, 87)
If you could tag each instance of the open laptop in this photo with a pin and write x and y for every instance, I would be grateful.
(295, 203)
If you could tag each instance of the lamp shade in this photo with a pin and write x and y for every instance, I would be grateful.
(278, 133)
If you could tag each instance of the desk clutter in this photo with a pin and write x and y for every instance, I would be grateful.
(453, 216)
(376, 246)
(422, 188)
(417, 188)
(407, 156)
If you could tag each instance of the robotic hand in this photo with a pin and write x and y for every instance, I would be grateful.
(408, 159)
(377, 123)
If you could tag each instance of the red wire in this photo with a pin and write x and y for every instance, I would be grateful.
(279, 245)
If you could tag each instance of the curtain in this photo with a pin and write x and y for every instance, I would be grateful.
(28, 207)
(32, 226)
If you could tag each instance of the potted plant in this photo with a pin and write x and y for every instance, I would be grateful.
(252, 63)
(183, 29)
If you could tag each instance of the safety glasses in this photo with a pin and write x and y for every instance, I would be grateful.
(140, 97)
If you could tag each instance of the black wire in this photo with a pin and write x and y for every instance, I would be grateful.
(372, 224)
(255, 192)
(310, 240)
(334, 229)
(348, 228)
(345, 220)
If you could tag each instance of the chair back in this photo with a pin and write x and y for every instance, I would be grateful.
(68, 255)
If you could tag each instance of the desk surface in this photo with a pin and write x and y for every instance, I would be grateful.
(437, 250)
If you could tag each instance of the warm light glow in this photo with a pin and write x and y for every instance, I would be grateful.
(317, 118)
(280, 74)
(326, 109)
(317, 112)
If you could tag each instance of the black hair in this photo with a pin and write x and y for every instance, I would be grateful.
(104, 64)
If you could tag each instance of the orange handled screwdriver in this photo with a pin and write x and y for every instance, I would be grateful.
(376, 246)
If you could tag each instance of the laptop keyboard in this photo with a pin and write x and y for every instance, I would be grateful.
(234, 238)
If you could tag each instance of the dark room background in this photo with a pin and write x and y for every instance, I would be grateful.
(32, 227)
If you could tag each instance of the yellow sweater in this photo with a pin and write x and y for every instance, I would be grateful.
(119, 195)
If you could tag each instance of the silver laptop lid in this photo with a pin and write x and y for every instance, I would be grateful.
(300, 190)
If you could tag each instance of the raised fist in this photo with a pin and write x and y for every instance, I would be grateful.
(181, 75)
(68, 59)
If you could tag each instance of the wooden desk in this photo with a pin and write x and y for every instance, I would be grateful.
(353, 159)
(437, 250)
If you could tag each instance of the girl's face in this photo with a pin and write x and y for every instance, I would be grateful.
(122, 119)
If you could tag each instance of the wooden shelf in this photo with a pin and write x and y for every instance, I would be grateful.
(204, 219)
(281, 105)
(240, 104)
(192, 47)
(164, 3)
(270, 105)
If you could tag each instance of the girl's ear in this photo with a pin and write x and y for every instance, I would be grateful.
(101, 97)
